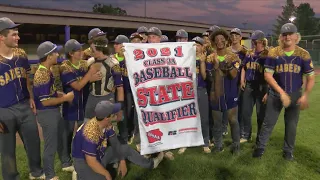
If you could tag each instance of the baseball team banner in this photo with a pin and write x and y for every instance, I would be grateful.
(164, 86)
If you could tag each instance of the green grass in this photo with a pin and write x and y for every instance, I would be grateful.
(196, 165)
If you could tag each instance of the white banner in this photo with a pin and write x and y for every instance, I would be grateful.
(164, 86)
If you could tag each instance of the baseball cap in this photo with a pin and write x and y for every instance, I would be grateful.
(6, 23)
(182, 33)
(213, 28)
(136, 35)
(237, 31)
(164, 38)
(288, 28)
(257, 35)
(198, 40)
(106, 108)
(72, 45)
(205, 33)
(95, 32)
(154, 30)
(142, 29)
(121, 39)
(47, 47)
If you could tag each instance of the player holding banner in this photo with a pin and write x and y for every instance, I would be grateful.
(202, 67)
(224, 90)
(284, 69)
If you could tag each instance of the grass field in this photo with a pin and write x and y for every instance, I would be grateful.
(196, 165)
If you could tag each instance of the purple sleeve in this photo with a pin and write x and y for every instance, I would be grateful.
(269, 64)
(89, 147)
(110, 132)
(244, 62)
(117, 76)
(209, 66)
(68, 77)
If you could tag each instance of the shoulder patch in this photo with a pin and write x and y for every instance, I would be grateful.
(87, 52)
(84, 65)
(41, 77)
(264, 53)
(232, 57)
(91, 131)
(304, 54)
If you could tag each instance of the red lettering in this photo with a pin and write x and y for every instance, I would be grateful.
(152, 52)
(187, 90)
(163, 96)
(142, 99)
(151, 91)
(174, 88)
(138, 54)
(165, 51)
(178, 51)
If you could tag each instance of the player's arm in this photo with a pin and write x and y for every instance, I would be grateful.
(233, 70)
(54, 101)
(309, 72)
(117, 76)
(203, 68)
(96, 166)
(268, 75)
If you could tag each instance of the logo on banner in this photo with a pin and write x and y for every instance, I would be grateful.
(154, 135)
(172, 133)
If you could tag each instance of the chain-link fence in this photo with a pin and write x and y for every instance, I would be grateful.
(310, 43)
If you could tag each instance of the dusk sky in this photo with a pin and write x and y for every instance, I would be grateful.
(258, 14)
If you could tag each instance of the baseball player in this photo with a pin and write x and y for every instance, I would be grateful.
(94, 33)
(224, 90)
(74, 77)
(284, 69)
(143, 32)
(110, 82)
(90, 147)
(182, 35)
(253, 84)
(241, 51)
(203, 100)
(47, 101)
(164, 38)
(136, 38)
(17, 106)
(128, 104)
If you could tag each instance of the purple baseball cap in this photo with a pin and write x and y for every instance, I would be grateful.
(106, 108)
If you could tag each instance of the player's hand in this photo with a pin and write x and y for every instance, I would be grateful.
(119, 116)
(122, 168)
(69, 97)
(264, 99)
(303, 102)
(96, 76)
(203, 57)
(242, 85)
(285, 98)
(33, 106)
(108, 176)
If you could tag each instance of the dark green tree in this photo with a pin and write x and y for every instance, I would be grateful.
(306, 21)
(287, 11)
(108, 9)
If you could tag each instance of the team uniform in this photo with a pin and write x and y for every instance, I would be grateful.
(255, 89)
(103, 89)
(288, 69)
(72, 113)
(49, 118)
(16, 115)
(226, 102)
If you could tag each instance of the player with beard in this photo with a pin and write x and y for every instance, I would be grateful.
(284, 69)
(224, 90)
(241, 51)
(253, 84)
(47, 101)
